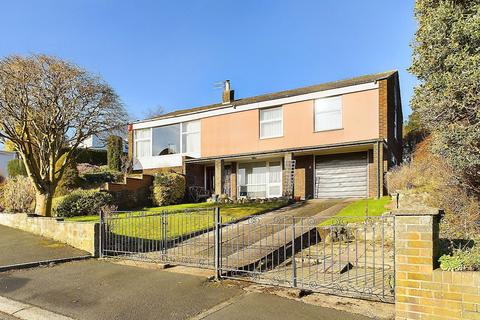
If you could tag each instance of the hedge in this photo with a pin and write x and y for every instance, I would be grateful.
(82, 203)
(114, 152)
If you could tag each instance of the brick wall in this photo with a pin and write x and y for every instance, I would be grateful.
(195, 174)
(383, 108)
(372, 174)
(421, 290)
(133, 193)
(130, 144)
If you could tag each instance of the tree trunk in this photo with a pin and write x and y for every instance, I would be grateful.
(43, 204)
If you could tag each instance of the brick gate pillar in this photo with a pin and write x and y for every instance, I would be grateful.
(416, 256)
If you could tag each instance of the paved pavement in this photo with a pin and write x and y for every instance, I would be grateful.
(93, 289)
(18, 247)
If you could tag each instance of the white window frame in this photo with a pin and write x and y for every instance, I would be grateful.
(182, 133)
(267, 179)
(135, 140)
(149, 138)
(277, 184)
(270, 121)
(316, 112)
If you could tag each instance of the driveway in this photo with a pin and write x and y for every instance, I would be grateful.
(19, 247)
(246, 242)
(93, 289)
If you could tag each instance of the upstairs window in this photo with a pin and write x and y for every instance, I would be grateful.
(191, 137)
(166, 140)
(271, 123)
(328, 113)
(142, 138)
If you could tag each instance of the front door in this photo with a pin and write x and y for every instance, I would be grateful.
(210, 179)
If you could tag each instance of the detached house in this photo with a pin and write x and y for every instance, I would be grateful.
(332, 140)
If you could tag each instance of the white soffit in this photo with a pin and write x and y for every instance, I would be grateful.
(257, 105)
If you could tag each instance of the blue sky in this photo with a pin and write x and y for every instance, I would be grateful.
(171, 53)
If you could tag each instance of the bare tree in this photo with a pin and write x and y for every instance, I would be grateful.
(48, 107)
(154, 112)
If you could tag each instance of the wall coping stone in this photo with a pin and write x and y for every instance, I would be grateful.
(415, 212)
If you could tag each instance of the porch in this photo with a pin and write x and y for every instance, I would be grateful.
(347, 171)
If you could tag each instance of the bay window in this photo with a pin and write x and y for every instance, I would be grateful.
(328, 113)
(271, 122)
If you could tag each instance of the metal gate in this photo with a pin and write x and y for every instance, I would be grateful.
(350, 256)
(177, 237)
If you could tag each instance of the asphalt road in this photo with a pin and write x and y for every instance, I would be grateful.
(18, 247)
(93, 289)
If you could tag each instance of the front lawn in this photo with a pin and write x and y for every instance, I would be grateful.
(178, 222)
(357, 211)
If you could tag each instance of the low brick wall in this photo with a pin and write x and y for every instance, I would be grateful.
(81, 235)
(422, 291)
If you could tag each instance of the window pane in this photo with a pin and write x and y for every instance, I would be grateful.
(191, 143)
(328, 104)
(271, 129)
(166, 140)
(192, 126)
(142, 148)
(327, 121)
(274, 173)
(328, 113)
(271, 114)
(253, 179)
(274, 191)
(142, 133)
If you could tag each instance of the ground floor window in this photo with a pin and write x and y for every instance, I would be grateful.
(260, 179)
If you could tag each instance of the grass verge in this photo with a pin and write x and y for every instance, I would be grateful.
(357, 211)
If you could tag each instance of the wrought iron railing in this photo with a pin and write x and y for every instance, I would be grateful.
(351, 256)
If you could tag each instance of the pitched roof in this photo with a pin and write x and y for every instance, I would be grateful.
(282, 94)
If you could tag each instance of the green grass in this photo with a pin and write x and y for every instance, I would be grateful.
(177, 222)
(358, 210)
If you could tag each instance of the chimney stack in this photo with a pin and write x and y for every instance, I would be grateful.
(227, 93)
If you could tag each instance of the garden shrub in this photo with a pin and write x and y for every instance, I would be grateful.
(96, 157)
(70, 179)
(15, 167)
(461, 260)
(82, 203)
(433, 178)
(17, 195)
(168, 188)
(114, 152)
(100, 175)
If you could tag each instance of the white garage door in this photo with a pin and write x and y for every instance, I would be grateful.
(341, 176)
